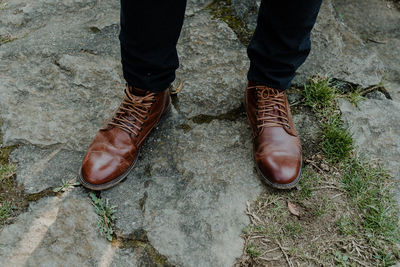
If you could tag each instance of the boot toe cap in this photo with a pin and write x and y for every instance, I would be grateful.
(279, 169)
(100, 168)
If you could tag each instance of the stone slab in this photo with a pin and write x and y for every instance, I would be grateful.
(376, 130)
(189, 191)
(60, 231)
(213, 67)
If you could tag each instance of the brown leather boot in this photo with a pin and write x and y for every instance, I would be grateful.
(115, 148)
(277, 148)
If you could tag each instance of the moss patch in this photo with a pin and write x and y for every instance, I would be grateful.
(13, 199)
(139, 243)
(222, 9)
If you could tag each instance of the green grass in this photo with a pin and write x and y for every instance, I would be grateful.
(5, 211)
(347, 225)
(370, 190)
(105, 211)
(293, 229)
(319, 95)
(307, 181)
(253, 251)
(354, 97)
(66, 185)
(368, 187)
(6, 171)
(337, 142)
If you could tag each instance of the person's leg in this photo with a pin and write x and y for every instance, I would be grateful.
(279, 46)
(281, 41)
(149, 32)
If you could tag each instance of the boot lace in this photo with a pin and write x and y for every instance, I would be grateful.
(132, 112)
(271, 107)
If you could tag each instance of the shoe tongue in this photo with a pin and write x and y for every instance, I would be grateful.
(137, 91)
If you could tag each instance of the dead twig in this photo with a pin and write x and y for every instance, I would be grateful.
(327, 187)
(270, 259)
(268, 251)
(377, 41)
(285, 254)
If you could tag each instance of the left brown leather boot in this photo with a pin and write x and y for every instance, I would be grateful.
(115, 148)
(277, 148)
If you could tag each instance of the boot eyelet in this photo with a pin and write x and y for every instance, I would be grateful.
(137, 135)
(141, 129)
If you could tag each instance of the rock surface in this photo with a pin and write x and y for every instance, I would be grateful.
(339, 53)
(57, 71)
(193, 6)
(376, 130)
(213, 67)
(380, 33)
(60, 231)
(191, 201)
(39, 169)
(346, 45)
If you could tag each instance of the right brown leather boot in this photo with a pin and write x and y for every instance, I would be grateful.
(277, 148)
(115, 148)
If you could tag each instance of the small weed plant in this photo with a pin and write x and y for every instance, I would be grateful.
(66, 185)
(105, 211)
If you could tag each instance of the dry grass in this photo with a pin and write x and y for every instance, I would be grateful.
(328, 231)
(6, 38)
(12, 198)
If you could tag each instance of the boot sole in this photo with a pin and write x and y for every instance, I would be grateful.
(120, 178)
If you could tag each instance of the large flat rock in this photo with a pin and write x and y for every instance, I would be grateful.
(58, 69)
(213, 67)
(61, 231)
(189, 191)
(380, 32)
(42, 168)
(376, 130)
(376, 133)
(337, 52)
(61, 93)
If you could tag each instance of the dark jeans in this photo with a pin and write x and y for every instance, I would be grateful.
(150, 30)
